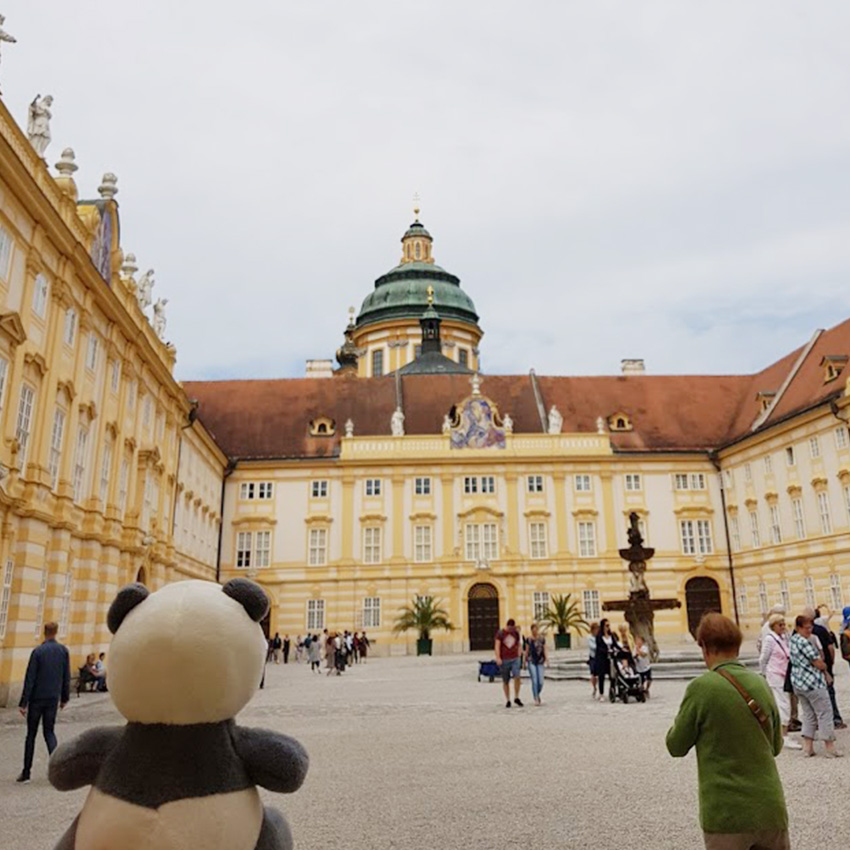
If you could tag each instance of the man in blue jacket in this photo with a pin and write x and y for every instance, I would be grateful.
(46, 687)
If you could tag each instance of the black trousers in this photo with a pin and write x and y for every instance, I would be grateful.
(43, 712)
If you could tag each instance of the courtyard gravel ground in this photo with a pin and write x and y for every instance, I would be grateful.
(415, 753)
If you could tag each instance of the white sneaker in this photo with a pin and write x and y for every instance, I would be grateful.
(791, 744)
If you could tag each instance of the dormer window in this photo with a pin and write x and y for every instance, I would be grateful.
(322, 426)
(765, 399)
(832, 365)
(619, 422)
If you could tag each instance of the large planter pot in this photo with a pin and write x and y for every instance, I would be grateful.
(563, 641)
(423, 646)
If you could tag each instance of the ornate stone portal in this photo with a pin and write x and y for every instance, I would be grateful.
(639, 608)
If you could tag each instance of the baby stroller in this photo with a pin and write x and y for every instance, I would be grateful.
(625, 681)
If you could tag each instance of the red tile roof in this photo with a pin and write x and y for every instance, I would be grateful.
(271, 418)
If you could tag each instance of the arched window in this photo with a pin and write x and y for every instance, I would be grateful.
(418, 250)
(322, 429)
(621, 424)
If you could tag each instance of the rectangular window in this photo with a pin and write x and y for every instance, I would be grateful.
(835, 592)
(243, 549)
(122, 486)
(265, 490)
(689, 546)
(371, 545)
(754, 529)
(373, 486)
(763, 606)
(472, 539)
(841, 437)
(582, 483)
(535, 483)
(246, 490)
(319, 489)
(633, 482)
(748, 473)
(539, 605)
(422, 544)
(42, 602)
(463, 356)
(147, 412)
(799, 521)
(470, 484)
(105, 470)
(39, 296)
(377, 363)
(57, 439)
(784, 595)
(809, 587)
(91, 353)
(24, 425)
(775, 526)
(847, 499)
(488, 484)
(80, 457)
(696, 537)
(132, 390)
(318, 555)
(790, 458)
(65, 611)
(698, 481)
(814, 447)
(681, 481)
(590, 601)
(490, 541)
(734, 534)
(422, 486)
(315, 615)
(69, 333)
(728, 479)
(743, 602)
(482, 542)
(823, 511)
(5, 252)
(371, 612)
(262, 548)
(6, 597)
(537, 538)
(768, 464)
(116, 376)
(4, 368)
(587, 539)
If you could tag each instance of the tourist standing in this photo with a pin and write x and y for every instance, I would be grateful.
(591, 658)
(277, 643)
(507, 651)
(643, 664)
(828, 643)
(364, 646)
(741, 801)
(330, 653)
(355, 642)
(536, 660)
(314, 654)
(773, 664)
(808, 678)
(47, 686)
(287, 646)
(606, 651)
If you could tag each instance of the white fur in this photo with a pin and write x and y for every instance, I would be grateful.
(187, 654)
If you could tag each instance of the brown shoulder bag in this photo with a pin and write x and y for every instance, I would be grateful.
(752, 702)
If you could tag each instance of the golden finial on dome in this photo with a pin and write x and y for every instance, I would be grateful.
(416, 205)
(430, 291)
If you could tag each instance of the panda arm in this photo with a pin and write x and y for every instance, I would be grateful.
(77, 763)
(273, 761)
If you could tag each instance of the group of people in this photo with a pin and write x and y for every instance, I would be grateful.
(337, 650)
(94, 671)
(798, 661)
(606, 654)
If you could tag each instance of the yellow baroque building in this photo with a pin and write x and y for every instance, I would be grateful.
(106, 476)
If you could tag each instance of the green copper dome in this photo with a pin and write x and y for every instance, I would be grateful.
(402, 293)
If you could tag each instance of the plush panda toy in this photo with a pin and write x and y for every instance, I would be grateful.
(181, 775)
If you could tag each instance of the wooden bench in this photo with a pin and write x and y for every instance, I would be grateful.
(84, 678)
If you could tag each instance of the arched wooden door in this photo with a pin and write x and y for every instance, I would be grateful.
(702, 595)
(483, 619)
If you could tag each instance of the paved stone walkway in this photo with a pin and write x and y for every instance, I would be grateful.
(414, 753)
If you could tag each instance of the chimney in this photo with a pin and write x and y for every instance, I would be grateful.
(633, 366)
(319, 369)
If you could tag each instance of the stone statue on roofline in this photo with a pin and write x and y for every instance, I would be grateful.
(145, 287)
(556, 421)
(397, 423)
(4, 36)
(349, 428)
(159, 318)
(38, 123)
(600, 425)
(508, 423)
(447, 424)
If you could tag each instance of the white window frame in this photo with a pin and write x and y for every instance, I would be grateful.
(147, 412)
(315, 615)
(809, 588)
(6, 244)
(763, 600)
(422, 544)
(488, 484)
(768, 464)
(835, 592)
(472, 541)
(372, 487)
(6, 595)
(69, 330)
(57, 443)
(687, 536)
(590, 603)
(489, 541)
(41, 291)
(65, 610)
(735, 533)
(790, 456)
(755, 533)
(698, 481)
(372, 612)
(422, 486)
(537, 540)
(91, 352)
(319, 489)
(799, 517)
(748, 472)
(377, 357)
(105, 469)
(265, 490)
(534, 483)
(372, 544)
(262, 548)
(42, 603)
(23, 429)
(784, 595)
(539, 605)
(824, 512)
(583, 483)
(587, 538)
(775, 525)
(244, 550)
(4, 371)
(743, 601)
(247, 490)
(634, 482)
(317, 545)
(123, 481)
(841, 437)
(115, 384)
(81, 451)
(132, 392)
(470, 484)
(814, 447)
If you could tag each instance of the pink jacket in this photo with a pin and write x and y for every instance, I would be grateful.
(773, 663)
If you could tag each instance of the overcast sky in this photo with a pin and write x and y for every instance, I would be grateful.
(667, 180)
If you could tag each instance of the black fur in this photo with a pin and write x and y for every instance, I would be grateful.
(126, 600)
(274, 834)
(250, 596)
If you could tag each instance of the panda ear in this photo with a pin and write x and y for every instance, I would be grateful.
(126, 600)
(250, 596)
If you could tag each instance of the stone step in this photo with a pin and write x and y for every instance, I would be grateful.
(680, 666)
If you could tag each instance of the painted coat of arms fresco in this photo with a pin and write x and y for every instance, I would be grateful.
(474, 425)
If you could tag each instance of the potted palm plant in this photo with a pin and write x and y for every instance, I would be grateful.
(424, 616)
(563, 614)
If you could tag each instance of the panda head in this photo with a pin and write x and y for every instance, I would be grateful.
(193, 652)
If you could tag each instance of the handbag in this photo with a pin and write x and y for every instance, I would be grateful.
(752, 702)
(786, 685)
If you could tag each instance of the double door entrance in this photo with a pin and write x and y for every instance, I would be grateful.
(483, 616)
